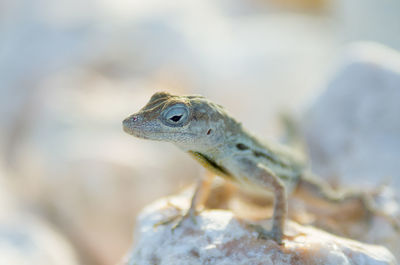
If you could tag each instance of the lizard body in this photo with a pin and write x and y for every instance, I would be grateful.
(212, 137)
(220, 143)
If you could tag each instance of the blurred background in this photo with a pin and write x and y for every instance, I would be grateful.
(71, 71)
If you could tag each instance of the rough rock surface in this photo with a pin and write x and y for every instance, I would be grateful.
(218, 237)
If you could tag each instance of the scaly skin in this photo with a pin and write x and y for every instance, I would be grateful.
(220, 143)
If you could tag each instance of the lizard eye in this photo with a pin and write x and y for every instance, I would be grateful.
(176, 118)
(176, 115)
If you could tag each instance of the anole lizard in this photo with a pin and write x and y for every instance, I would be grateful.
(220, 143)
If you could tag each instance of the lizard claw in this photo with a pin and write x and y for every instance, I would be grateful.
(167, 221)
(190, 214)
(180, 218)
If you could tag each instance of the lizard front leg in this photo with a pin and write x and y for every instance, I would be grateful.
(200, 195)
(260, 175)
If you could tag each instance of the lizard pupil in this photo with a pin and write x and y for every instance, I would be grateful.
(209, 131)
(241, 146)
(176, 118)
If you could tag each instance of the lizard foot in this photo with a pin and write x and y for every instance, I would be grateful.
(189, 214)
(179, 219)
(265, 234)
(170, 219)
(167, 221)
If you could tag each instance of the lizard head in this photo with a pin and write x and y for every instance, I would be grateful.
(187, 121)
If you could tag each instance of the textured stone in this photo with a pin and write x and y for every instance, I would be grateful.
(218, 237)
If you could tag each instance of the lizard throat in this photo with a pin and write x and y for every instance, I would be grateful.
(210, 164)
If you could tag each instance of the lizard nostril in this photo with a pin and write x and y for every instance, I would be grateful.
(129, 121)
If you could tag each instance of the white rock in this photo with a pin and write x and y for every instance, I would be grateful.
(220, 238)
(368, 20)
(353, 127)
(25, 240)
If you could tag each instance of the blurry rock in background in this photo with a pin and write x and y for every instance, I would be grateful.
(25, 238)
(370, 20)
(70, 72)
(353, 127)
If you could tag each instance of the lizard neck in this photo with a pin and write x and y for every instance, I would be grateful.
(215, 132)
(210, 151)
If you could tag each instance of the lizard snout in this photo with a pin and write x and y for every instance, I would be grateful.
(129, 123)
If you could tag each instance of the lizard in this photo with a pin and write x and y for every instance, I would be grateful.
(207, 132)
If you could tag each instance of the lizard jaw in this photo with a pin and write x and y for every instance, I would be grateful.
(128, 127)
(132, 126)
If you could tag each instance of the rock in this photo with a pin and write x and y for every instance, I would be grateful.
(353, 127)
(28, 240)
(218, 237)
(367, 20)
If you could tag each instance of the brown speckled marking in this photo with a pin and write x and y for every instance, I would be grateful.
(195, 253)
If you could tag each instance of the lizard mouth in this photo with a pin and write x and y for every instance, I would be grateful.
(132, 126)
(129, 128)
(136, 133)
